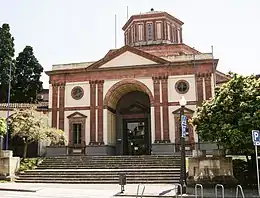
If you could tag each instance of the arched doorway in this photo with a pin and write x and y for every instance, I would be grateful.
(128, 105)
(133, 124)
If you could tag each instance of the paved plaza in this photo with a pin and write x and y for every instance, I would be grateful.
(15, 190)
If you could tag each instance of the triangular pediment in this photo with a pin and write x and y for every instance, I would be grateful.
(128, 59)
(186, 111)
(76, 115)
(125, 57)
(135, 108)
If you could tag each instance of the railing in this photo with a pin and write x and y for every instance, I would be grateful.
(177, 188)
(239, 188)
(222, 190)
(137, 193)
(201, 190)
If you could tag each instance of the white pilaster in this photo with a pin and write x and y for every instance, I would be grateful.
(152, 125)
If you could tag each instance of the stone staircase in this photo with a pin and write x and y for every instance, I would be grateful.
(104, 169)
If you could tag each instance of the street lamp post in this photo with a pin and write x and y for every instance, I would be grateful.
(8, 107)
(183, 103)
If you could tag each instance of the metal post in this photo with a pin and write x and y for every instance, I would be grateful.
(183, 157)
(137, 192)
(257, 170)
(1, 142)
(201, 190)
(222, 190)
(239, 188)
(8, 107)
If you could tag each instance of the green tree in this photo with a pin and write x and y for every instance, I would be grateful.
(6, 59)
(55, 136)
(231, 115)
(2, 126)
(26, 125)
(27, 77)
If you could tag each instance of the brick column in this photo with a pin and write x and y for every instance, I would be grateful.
(208, 89)
(165, 112)
(54, 105)
(199, 81)
(157, 110)
(61, 105)
(92, 112)
(100, 112)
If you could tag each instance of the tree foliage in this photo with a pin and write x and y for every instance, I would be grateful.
(2, 126)
(27, 77)
(6, 59)
(31, 128)
(231, 115)
(55, 136)
(26, 70)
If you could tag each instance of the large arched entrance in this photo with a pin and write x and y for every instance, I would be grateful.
(129, 118)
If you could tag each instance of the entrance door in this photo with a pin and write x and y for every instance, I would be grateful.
(76, 134)
(136, 137)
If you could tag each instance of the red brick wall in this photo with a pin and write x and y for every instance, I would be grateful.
(61, 105)
(165, 110)
(92, 112)
(54, 105)
(208, 88)
(199, 81)
(100, 112)
(157, 110)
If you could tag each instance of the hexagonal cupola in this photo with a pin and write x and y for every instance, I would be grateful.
(152, 28)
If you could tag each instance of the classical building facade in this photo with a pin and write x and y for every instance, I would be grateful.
(127, 102)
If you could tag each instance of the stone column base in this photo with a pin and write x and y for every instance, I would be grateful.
(163, 149)
(100, 150)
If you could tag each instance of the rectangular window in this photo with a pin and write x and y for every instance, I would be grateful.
(173, 34)
(76, 133)
(126, 38)
(150, 31)
(168, 32)
(132, 34)
(179, 35)
(129, 36)
(159, 30)
(140, 32)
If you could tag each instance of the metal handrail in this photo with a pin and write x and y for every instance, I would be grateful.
(239, 187)
(137, 193)
(216, 190)
(180, 186)
(201, 190)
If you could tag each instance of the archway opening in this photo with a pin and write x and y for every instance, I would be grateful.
(133, 124)
(128, 121)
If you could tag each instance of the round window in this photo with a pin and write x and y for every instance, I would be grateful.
(77, 93)
(182, 86)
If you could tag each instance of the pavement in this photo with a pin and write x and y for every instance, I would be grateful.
(27, 190)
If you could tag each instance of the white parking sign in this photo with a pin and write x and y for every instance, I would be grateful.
(256, 137)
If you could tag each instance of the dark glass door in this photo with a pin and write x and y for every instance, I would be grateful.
(76, 134)
(136, 137)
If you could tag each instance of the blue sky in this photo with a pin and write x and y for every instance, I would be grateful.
(65, 31)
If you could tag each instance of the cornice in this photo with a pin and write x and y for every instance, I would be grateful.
(171, 64)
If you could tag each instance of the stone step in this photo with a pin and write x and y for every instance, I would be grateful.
(105, 167)
(112, 176)
(113, 162)
(166, 181)
(114, 156)
(100, 173)
(94, 164)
